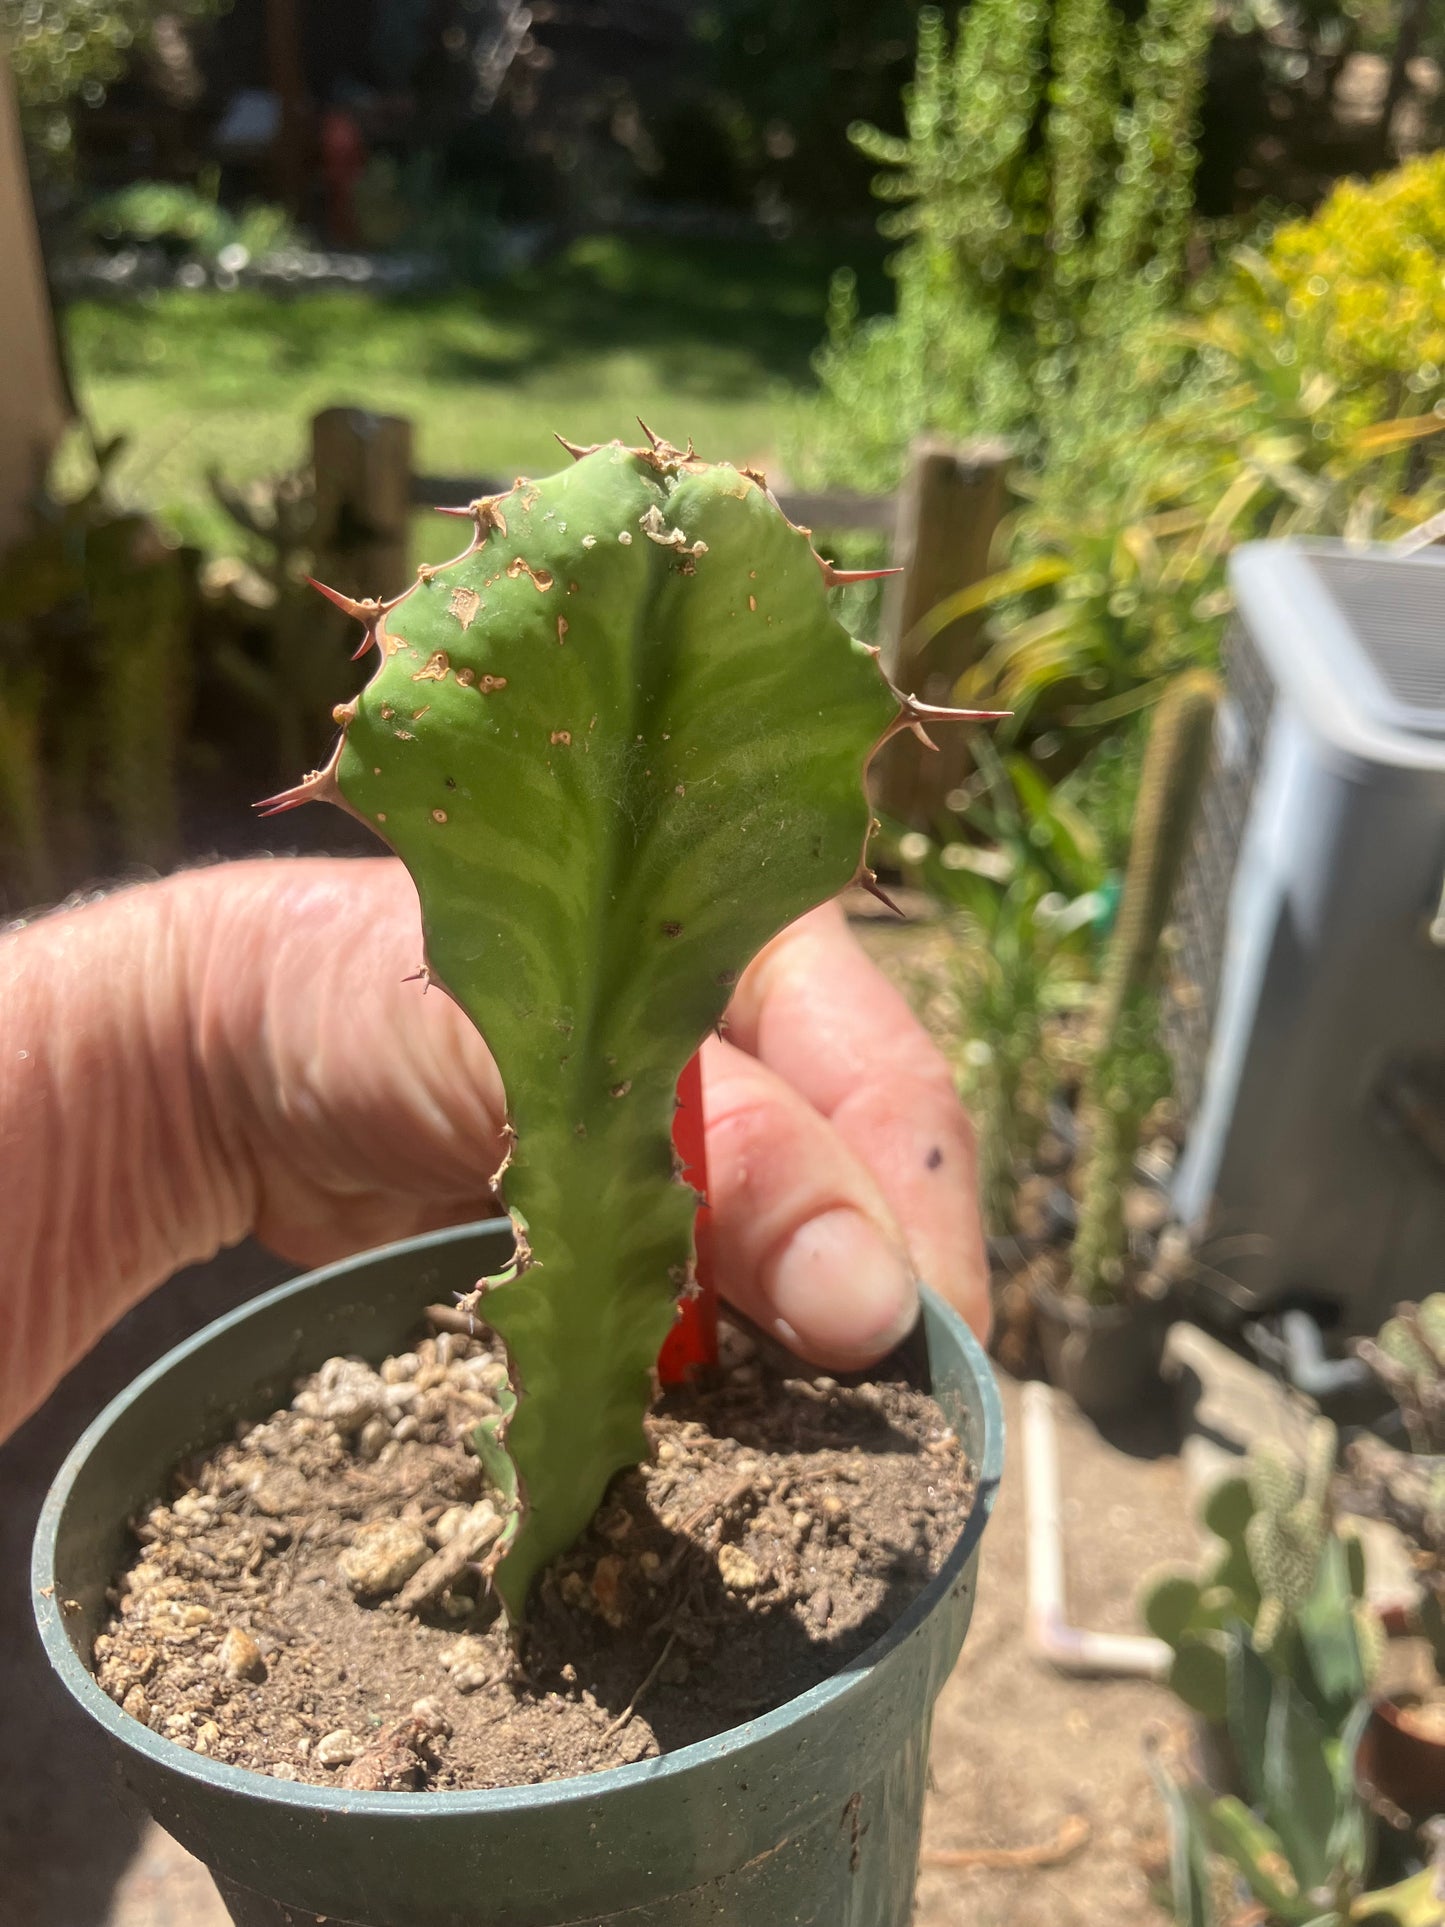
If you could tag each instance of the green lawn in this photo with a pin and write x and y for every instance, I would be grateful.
(708, 339)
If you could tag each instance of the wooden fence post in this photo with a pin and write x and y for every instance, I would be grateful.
(949, 509)
(362, 468)
(34, 403)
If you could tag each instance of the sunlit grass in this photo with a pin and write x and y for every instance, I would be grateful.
(703, 340)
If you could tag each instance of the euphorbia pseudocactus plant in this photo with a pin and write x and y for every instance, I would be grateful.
(619, 743)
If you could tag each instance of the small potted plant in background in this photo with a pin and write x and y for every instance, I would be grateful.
(619, 743)
(1100, 1325)
(1404, 1747)
(1274, 1651)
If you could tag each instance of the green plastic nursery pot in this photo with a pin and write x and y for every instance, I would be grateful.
(806, 1817)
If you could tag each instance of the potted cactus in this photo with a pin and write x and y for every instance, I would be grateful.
(1100, 1330)
(1404, 1747)
(619, 743)
(1275, 1649)
(1295, 1846)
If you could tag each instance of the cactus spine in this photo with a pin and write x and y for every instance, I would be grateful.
(1123, 1082)
(619, 743)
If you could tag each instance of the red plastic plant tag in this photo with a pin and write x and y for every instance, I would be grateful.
(693, 1339)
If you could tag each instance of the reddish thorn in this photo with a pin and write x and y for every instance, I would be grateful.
(319, 786)
(466, 513)
(923, 736)
(366, 641)
(870, 883)
(575, 449)
(345, 602)
(422, 976)
(656, 440)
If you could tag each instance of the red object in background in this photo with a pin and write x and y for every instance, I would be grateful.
(693, 1339)
(343, 162)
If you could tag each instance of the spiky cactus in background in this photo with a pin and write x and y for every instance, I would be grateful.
(1285, 1578)
(1291, 1522)
(1127, 1076)
(619, 743)
(1408, 1358)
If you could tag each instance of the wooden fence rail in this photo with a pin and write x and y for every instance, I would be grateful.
(942, 524)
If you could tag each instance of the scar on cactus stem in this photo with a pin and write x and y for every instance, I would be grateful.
(602, 836)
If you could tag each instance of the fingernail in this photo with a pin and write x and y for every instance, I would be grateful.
(842, 1292)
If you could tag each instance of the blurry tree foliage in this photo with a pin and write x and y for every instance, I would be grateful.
(1363, 283)
(68, 52)
(784, 81)
(1312, 403)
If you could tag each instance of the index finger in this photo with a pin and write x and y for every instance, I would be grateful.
(816, 1009)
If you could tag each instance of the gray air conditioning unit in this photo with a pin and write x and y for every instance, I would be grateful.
(1308, 1015)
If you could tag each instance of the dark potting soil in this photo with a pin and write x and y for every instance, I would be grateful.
(310, 1602)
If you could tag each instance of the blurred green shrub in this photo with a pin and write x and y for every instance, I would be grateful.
(1022, 886)
(1042, 192)
(95, 684)
(1363, 282)
(188, 220)
(1297, 416)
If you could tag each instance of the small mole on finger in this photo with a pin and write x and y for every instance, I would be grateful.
(934, 1158)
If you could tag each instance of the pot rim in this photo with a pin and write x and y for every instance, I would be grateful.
(170, 1756)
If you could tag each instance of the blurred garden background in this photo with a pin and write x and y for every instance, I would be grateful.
(1055, 303)
(1167, 272)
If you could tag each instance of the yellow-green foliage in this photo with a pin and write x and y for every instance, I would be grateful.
(1310, 409)
(1364, 280)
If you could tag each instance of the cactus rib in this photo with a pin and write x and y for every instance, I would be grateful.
(619, 743)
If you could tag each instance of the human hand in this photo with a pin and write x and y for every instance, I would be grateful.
(239, 1050)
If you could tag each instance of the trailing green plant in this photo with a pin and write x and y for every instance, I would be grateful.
(95, 614)
(619, 743)
(1042, 192)
(1128, 1074)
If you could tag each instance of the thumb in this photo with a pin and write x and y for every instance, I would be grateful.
(803, 1241)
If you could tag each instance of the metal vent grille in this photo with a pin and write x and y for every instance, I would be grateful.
(1397, 612)
(1201, 906)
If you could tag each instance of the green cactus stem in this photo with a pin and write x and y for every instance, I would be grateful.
(1291, 1523)
(619, 743)
(1127, 1075)
(1408, 1358)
